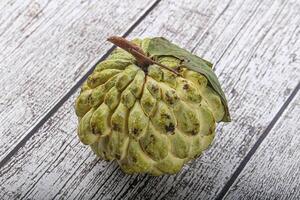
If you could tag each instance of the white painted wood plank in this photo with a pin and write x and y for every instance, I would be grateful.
(255, 45)
(45, 48)
(274, 170)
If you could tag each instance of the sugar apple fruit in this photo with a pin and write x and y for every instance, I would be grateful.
(151, 106)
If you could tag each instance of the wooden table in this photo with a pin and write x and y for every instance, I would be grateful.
(48, 48)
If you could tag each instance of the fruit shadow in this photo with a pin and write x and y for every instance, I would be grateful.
(142, 186)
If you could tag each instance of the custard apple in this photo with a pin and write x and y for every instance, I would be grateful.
(151, 106)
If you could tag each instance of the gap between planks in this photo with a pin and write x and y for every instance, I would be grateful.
(56, 106)
(252, 151)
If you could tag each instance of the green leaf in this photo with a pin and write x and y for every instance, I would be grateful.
(159, 46)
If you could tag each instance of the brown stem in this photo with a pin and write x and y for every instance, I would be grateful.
(132, 48)
(142, 60)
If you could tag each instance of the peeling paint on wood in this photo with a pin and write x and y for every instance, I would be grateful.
(274, 170)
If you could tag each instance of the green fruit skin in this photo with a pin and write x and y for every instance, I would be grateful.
(149, 123)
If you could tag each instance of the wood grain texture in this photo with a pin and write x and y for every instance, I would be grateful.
(45, 48)
(274, 170)
(255, 46)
